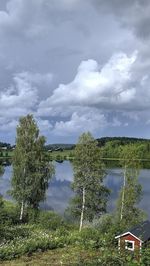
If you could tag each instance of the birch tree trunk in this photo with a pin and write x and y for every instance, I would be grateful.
(21, 211)
(22, 203)
(123, 193)
(82, 211)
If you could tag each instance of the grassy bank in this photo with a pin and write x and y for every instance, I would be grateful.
(32, 245)
(46, 238)
(61, 256)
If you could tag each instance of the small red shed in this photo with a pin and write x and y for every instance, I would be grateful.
(134, 238)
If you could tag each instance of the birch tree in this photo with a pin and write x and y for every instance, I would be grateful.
(31, 168)
(90, 193)
(130, 195)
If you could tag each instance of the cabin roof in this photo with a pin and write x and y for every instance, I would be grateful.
(141, 231)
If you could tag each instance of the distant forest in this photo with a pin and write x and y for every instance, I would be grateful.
(121, 140)
(101, 142)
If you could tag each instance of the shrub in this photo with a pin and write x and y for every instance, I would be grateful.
(15, 232)
(146, 256)
(27, 239)
(88, 238)
(9, 213)
(50, 220)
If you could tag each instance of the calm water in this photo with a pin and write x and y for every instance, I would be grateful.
(59, 192)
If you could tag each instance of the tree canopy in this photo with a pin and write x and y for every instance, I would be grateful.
(31, 167)
(90, 193)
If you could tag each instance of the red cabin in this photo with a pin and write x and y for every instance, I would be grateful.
(135, 238)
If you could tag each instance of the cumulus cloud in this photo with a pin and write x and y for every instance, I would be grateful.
(20, 95)
(92, 86)
(36, 78)
(80, 123)
(44, 125)
(74, 73)
(18, 100)
(32, 18)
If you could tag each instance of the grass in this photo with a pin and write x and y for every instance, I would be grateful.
(54, 155)
(61, 155)
(67, 256)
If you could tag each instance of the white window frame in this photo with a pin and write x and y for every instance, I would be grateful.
(129, 241)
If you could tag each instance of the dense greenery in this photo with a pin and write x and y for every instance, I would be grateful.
(110, 150)
(90, 193)
(31, 167)
(94, 245)
(131, 192)
(122, 140)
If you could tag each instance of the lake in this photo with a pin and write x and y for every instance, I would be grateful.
(59, 192)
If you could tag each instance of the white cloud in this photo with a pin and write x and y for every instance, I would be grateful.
(109, 91)
(94, 86)
(8, 126)
(44, 125)
(20, 95)
(78, 123)
(32, 17)
(36, 78)
(18, 100)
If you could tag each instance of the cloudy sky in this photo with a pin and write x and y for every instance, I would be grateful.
(77, 65)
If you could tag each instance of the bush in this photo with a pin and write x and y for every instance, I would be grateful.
(91, 238)
(50, 220)
(88, 238)
(27, 239)
(146, 256)
(11, 233)
(31, 215)
(11, 213)
(104, 223)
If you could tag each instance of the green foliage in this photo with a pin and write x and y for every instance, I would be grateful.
(50, 220)
(91, 238)
(145, 261)
(131, 192)
(29, 240)
(31, 167)
(14, 232)
(111, 149)
(88, 179)
(11, 214)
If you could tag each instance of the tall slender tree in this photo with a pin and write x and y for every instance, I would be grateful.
(130, 195)
(31, 167)
(90, 193)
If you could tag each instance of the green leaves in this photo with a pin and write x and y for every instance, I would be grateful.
(31, 167)
(131, 192)
(88, 177)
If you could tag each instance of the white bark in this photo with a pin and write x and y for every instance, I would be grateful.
(22, 203)
(123, 193)
(82, 211)
(21, 210)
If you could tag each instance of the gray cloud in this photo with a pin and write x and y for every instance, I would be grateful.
(132, 14)
(60, 61)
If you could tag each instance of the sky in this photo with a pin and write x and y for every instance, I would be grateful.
(76, 65)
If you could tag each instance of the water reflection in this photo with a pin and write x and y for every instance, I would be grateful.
(59, 192)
